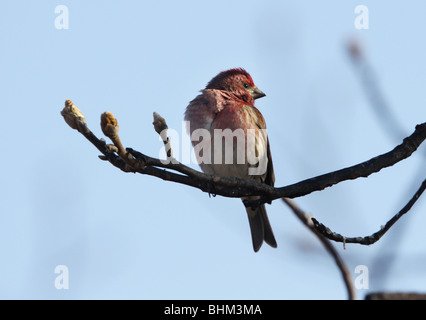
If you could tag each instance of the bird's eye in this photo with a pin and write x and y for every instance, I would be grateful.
(245, 85)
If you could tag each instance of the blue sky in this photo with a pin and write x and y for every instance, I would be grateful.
(126, 236)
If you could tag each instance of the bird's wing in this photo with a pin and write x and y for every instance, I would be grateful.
(269, 177)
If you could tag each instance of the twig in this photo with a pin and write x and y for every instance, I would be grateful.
(369, 82)
(161, 128)
(307, 221)
(368, 240)
(391, 124)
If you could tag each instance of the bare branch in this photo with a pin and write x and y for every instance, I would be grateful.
(129, 160)
(307, 221)
(373, 92)
(395, 296)
(368, 240)
(363, 169)
(245, 187)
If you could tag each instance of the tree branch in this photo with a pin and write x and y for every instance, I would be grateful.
(370, 85)
(129, 160)
(307, 220)
(395, 296)
(363, 169)
(245, 187)
(368, 240)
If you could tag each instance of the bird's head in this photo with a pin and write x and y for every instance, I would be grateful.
(239, 82)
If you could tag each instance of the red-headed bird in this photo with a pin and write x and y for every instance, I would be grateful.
(227, 102)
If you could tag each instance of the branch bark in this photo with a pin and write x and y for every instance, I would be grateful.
(368, 240)
(237, 187)
(130, 160)
(395, 296)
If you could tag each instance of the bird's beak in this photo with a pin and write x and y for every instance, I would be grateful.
(256, 93)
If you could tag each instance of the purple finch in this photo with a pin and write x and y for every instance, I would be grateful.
(225, 110)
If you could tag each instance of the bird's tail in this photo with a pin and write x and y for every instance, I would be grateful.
(260, 227)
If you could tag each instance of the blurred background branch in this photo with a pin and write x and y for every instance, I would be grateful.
(306, 219)
(392, 126)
